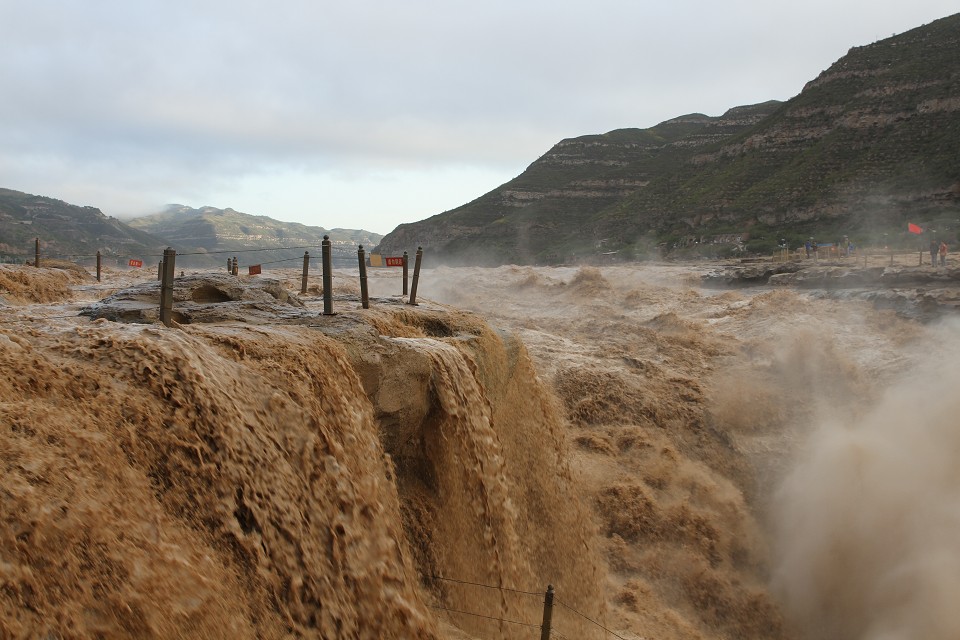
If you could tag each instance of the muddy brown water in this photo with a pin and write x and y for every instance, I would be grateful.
(679, 463)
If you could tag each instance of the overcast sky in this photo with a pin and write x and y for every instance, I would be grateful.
(370, 113)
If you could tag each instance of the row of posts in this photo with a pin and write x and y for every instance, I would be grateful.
(36, 258)
(327, 266)
(166, 271)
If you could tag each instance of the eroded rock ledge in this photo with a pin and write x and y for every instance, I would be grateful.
(922, 291)
(276, 472)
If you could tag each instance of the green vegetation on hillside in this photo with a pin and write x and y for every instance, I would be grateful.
(202, 237)
(210, 232)
(867, 146)
(66, 231)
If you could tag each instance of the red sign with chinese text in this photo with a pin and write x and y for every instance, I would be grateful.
(136, 263)
(394, 262)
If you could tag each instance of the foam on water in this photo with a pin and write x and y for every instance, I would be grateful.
(677, 463)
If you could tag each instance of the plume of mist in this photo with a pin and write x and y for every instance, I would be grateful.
(867, 543)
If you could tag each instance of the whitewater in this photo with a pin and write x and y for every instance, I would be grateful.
(676, 461)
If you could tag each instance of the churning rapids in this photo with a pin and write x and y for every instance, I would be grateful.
(679, 463)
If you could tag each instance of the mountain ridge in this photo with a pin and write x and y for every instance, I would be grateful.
(75, 233)
(212, 230)
(867, 144)
(66, 231)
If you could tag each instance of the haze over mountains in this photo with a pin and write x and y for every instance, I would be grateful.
(869, 144)
(865, 147)
(76, 233)
(209, 229)
(65, 229)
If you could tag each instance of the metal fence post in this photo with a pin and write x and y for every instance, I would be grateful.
(327, 260)
(306, 271)
(547, 613)
(98, 266)
(160, 266)
(36, 253)
(416, 276)
(229, 265)
(236, 266)
(166, 286)
(362, 259)
(404, 273)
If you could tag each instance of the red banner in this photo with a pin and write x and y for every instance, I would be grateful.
(912, 228)
(136, 263)
(254, 270)
(394, 262)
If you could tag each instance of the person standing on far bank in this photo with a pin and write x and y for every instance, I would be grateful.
(943, 254)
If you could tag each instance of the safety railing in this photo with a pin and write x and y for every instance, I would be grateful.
(166, 271)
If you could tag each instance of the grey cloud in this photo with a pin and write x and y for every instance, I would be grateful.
(206, 90)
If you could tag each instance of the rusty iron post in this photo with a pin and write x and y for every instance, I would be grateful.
(36, 253)
(306, 271)
(236, 266)
(166, 286)
(98, 265)
(404, 273)
(362, 259)
(160, 269)
(416, 276)
(547, 613)
(327, 260)
(229, 265)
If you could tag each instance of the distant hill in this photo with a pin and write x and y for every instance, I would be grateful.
(211, 232)
(202, 237)
(871, 143)
(67, 231)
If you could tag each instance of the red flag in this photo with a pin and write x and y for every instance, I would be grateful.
(912, 228)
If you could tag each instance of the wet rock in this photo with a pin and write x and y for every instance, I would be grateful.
(921, 276)
(201, 298)
(920, 292)
(752, 274)
(829, 277)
